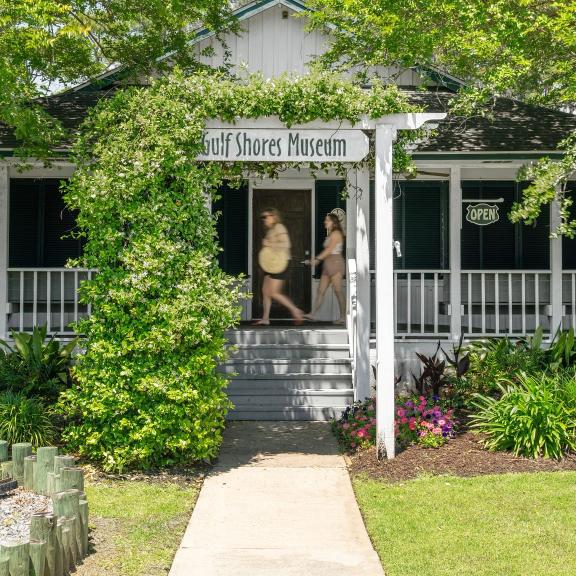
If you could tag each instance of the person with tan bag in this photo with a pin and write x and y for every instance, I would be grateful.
(274, 258)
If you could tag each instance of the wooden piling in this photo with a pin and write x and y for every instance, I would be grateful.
(43, 529)
(6, 469)
(70, 478)
(63, 462)
(38, 558)
(19, 452)
(44, 464)
(3, 452)
(29, 467)
(4, 567)
(83, 506)
(18, 556)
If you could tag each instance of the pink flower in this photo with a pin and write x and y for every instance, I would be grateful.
(412, 423)
(441, 422)
(361, 433)
(401, 412)
(346, 426)
(437, 430)
(404, 420)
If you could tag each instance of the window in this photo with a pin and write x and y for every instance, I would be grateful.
(40, 225)
(503, 245)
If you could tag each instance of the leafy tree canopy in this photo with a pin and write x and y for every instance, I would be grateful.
(50, 43)
(519, 48)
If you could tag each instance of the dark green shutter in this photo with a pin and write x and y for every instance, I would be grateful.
(420, 220)
(569, 244)
(328, 196)
(503, 245)
(232, 228)
(39, 225)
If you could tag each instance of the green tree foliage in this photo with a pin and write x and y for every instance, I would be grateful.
(518, 48)
(147, 391)
(57, 42)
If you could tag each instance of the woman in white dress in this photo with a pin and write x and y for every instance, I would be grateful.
(333, 267)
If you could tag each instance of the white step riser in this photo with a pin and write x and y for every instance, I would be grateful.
(288, 337)
(290, 352)
(322, 414)
(279, 386)
(276, 369)
(309, 400)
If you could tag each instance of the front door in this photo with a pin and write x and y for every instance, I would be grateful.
(295, 208)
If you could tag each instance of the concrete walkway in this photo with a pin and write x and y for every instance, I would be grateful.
(278, 503)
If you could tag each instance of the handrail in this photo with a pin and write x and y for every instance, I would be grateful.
(352, 275)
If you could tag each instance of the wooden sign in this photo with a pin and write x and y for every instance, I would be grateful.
(482, 214)
(284, 145)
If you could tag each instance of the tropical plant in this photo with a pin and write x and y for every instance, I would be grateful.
(25, 419)
(562, 350)
(36, 366)
(535, 415)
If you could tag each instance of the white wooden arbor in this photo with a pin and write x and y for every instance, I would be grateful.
(230, 142)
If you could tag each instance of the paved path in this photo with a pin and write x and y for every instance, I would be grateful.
(278, 503)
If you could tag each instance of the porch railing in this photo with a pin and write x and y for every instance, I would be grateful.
(421, 303)
(493, 303)
(502, 303)
(38, 296)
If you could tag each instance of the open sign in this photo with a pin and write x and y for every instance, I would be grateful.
(482, 214)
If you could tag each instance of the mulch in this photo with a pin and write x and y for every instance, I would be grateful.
(461, 456)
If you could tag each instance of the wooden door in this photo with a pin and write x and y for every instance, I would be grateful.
(295, 208)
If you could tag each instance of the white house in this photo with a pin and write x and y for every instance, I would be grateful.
(461, 267)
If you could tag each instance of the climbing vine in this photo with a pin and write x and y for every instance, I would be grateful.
(147, 391)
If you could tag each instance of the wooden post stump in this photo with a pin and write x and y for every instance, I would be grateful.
(44, 465)
(69, 479)
(19, 453)
(38, 558)
(3, 452)
(29, 467)
(7, 469)
(4, 567)
(18, 556)
(63, 462)
(84, 520)
(43, 529)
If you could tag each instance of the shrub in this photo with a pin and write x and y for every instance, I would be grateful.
(356, 428)
(35, 366)
(420, 420)
(534, 416)
(495, 361)
(25, 420)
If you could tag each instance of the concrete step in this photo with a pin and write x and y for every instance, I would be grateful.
(286, 366)
(288, 336)
(296, 351)
(259, 384)
(290, 413)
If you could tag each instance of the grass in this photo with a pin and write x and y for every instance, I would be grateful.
(137, 526)
(505, 525)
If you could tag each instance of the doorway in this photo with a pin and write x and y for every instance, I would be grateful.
(295, 208)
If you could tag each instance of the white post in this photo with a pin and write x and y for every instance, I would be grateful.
(555, 269)
(384, 293)
(455, 248)
(362, 343)
(4, 191)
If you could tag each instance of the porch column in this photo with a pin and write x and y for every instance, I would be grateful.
(455, 247)
(384, 293)
(362, 388)
(556, 270)
(4, 188)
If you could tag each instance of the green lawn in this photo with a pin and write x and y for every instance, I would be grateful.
(136, 526)
(505, 525)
